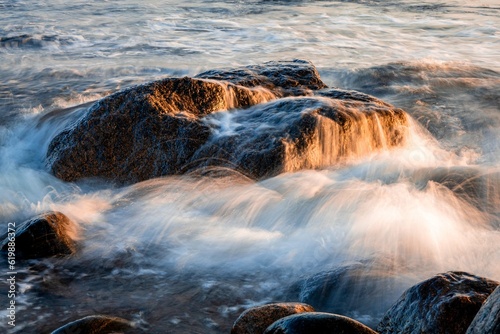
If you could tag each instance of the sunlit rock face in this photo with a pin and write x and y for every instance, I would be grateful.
(259, 121)
(445, 304)
(46, 235)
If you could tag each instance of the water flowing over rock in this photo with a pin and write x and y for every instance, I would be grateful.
(256, 319)
(96, 324)
(353, 290)
(258, 120)
(317, 323)
(487, 320)
(49, 234)
(444, 304)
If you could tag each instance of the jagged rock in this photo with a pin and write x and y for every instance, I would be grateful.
(95, 324)
(354, 290)
(255, 320)
(487, 320)
(49, 234)
(171, 127)
(317, 323)
(443, 304)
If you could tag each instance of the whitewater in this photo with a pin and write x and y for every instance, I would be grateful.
(187, 254)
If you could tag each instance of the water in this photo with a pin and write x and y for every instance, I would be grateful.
(187, 255)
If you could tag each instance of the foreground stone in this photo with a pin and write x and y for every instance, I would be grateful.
(487, 320)
(281, 119)
(444, 304)
(256, 319)
(95, 324)
(317, 323)
(49, 234)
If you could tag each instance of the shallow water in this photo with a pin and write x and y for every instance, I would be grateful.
(187, 255)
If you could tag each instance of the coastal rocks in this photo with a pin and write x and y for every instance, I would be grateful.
(256, 319)
(317, 323)
(353, 290)
(96, 324)
(487, 320)
(259, 120)
(49, 234)
(444, 304)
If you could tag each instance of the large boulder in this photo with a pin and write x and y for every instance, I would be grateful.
(49, 234)
(172, 126)
(96, 324)
(317, 323)
(444, 304)
(357, 290)
(487, 320)
(255, 320)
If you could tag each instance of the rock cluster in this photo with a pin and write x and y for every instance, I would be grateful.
(452, 302)
(258, 120)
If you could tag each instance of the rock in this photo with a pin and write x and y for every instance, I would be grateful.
(317, 323)
(283, 78)
(255, 320)
(95, 324)
(170, 127)
(444, 304)
(49, 234)
(487, 320)
(357, 290)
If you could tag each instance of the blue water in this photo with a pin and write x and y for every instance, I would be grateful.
(188, 255)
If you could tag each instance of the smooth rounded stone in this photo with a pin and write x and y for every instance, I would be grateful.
(487, 320)
(358, 290)
(49, 234)
(444, 304)
(255, 320)
(318, 323)
(96, 324)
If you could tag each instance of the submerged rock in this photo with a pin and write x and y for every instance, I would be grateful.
(317, 323)
(444, 304)
(487, 320)
(96, 324)
(255, 320)
(49, 234)
(358, 290)
(171, 126)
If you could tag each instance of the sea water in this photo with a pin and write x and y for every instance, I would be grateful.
(189, 254)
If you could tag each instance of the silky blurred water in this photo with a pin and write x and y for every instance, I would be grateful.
(187, 255)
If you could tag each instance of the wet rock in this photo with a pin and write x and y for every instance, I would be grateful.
(256, 319)
(487, 320)
(444, 304)
(357, 290)
(291, 134)
(317, 323)
(49, 234)
(284, 78)
(170, 127)
(95, 324)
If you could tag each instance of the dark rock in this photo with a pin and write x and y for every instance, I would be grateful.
(169, 127)
(317, 323)
(49, 234)
(283, 78)
(255, 320)
(95, 324)
(291, 134)
(487, 320)
(357, 290)
(444, 304)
